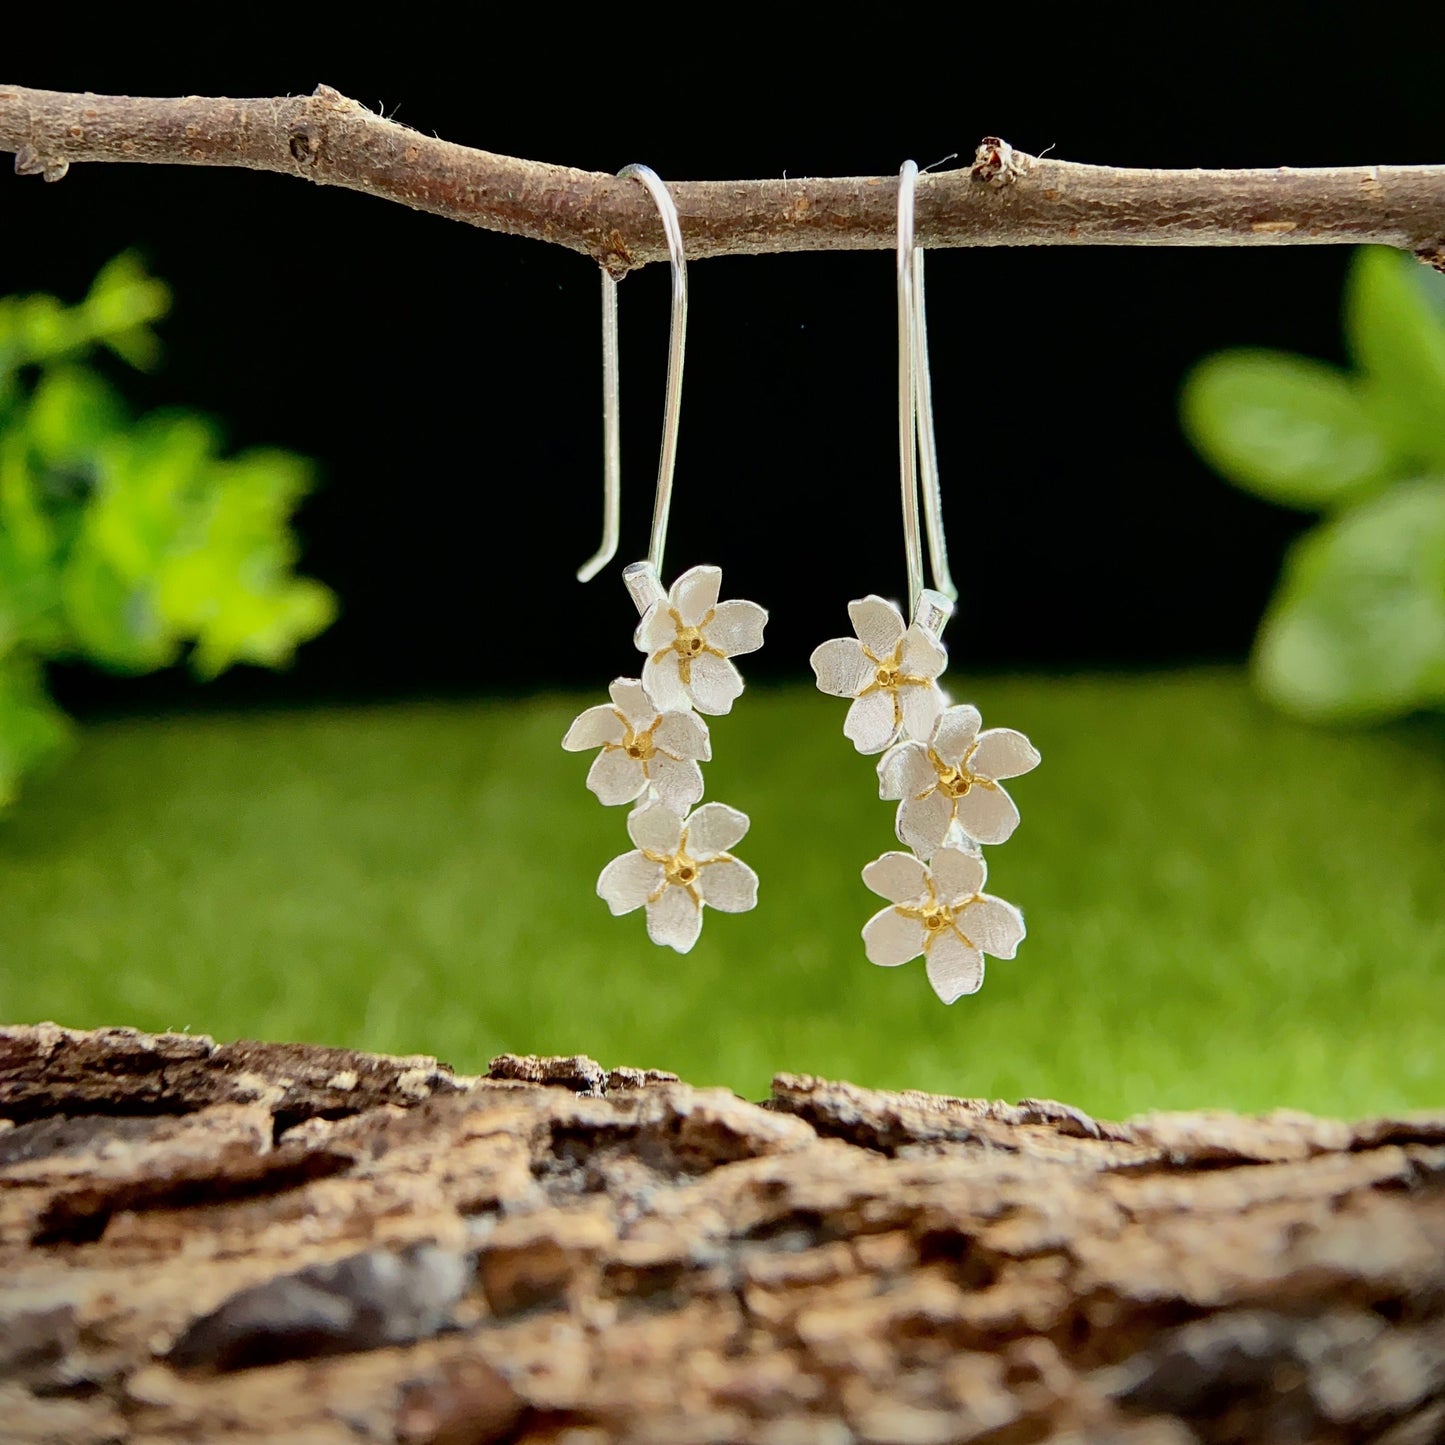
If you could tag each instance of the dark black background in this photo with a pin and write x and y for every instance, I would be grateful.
(447, 379)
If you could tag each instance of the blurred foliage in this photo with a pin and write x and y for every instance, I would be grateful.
(130, 543)
(1356, 629)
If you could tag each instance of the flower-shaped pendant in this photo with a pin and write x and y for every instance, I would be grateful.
(941, 913)
(678, 865)
(688, 637)
(641, 748)
(949, 785)
(890, 671)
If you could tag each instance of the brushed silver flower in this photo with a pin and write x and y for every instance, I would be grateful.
(948, 787)
(889, 669)
(679, 866)
(641, 748)
(942, 913)
(689, 637)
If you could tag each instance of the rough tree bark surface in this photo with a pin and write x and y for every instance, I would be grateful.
(271, 1242)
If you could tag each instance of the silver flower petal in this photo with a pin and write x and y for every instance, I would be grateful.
(923, 822)
(661, 677)
(593, 728)
(1003, 753)
(842, 667)
(655, 828)
(922, 655)
(736, 627)
(987, 813)
(878, 623)
(684, 735)
(630, 698)
(713, 829)
(906, 772)
(891, 938)
(920, 704)
(694, 594)
(992, 925)
(674, 919)
(629, 881)
(728, 885)
(955, 733)
(898, 877)
(676, 782)
(954, 968)
(715, 684)
(656, 630)
(957, 874)
(617, 778)
(871, 725)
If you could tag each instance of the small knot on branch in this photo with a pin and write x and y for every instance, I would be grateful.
(29, 162)
(306, 137)
(996, 163)
(304, 143)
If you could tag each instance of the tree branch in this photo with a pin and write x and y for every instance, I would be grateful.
(1005, 198)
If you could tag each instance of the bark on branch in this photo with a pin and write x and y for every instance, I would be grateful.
(265, 1242)
(1004, 198)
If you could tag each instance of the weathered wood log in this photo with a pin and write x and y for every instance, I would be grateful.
(290, 1243)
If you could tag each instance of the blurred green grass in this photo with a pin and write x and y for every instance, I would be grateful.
(1224, 908)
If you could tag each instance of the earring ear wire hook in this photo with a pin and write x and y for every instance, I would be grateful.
(672, 406)
(907, 413)
(917, 444)
(927, 442)
(611, 436)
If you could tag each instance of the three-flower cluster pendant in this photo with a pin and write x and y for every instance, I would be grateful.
(651, 740)
(946, 776)
(944, 772)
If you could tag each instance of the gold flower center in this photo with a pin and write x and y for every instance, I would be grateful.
(639, 745)
(935, 917)
(689, 641)
(955, 782)
(887, 675)
(681, 870)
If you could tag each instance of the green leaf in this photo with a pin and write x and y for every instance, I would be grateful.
(71, 413)
(229, 583)
(121, 543)
(1292, 430)
(32, 729)
(1356, 631)
(148, 484)
(114, 619)
(264, 626)
(1396, 334)
(123, 302)
(29, 596)
(118, 312)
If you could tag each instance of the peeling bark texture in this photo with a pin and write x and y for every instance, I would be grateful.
(290, 1243)
(1003, 198)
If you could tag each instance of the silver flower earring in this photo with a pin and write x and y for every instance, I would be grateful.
(942, 771)
(650, 737)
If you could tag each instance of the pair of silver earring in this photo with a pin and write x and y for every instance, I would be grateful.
(937, 763)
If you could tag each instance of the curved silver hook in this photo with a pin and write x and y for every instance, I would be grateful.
(907, 416)
(927, 443)
(611, 436)
(611, 392)
(917, 445)
(672, 407)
